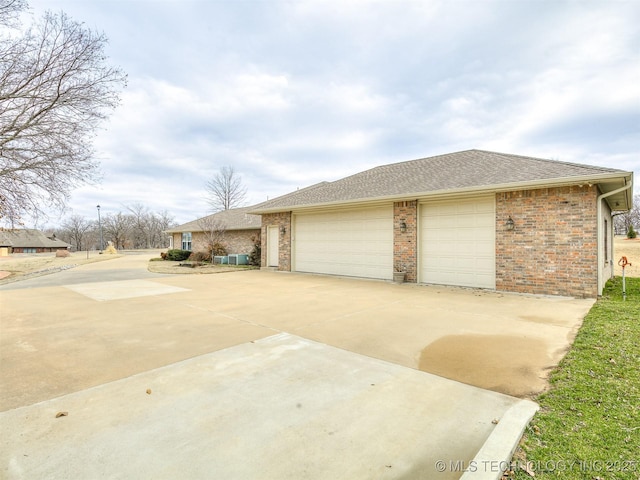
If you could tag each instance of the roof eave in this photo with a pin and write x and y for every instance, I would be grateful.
(197, 230)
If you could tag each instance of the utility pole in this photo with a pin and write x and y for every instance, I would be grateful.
(100, 226)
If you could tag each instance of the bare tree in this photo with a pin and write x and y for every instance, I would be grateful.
(55, 89)
(161, 222)
(10, 11)
(140, 225)
(147, 228)
(75, 231)
(116, 228)
(213, 231)
(624, 220)
(225, 190)
(138, 229)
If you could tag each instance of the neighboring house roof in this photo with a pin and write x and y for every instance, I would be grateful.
(232, 219)
(5, 241)
(461, 172)
(29, 238)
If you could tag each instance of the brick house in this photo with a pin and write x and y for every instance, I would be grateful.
(472, 218)
(239, 231)
(28, 240)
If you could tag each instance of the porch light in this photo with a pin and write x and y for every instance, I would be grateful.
(510, 224)
(403, 227)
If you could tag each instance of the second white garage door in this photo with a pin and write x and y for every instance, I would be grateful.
(457, 243)
(357, 243)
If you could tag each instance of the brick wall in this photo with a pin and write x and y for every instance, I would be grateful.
(198, 242)
(235, 241)
(281, 219)
(240, 241)
(38, 249)
(405, 248)
(553, 247)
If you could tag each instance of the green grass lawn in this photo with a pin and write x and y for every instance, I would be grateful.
(588, 426)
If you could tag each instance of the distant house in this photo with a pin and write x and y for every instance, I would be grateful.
(29, 241)
(240, 228)
(473, 218)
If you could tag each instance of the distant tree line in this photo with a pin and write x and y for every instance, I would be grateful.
(135, 228)
(628, 221)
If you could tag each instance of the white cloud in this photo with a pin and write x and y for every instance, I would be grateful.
(292, 93)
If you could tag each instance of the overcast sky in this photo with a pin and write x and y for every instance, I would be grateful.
(291, 93)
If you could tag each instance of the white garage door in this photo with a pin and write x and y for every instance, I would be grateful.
(457, 243)
(357, 243)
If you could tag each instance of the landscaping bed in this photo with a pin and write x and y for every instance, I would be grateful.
(186, 267)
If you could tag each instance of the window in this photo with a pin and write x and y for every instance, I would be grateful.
(606, 241)
(186, 241)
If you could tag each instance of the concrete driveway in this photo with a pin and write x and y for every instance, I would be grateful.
(266, 375)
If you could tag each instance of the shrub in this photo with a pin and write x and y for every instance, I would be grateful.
(631, 233)
(254, 256)
(199, 257)
(163, 255)
(177, 255)
(218, 250)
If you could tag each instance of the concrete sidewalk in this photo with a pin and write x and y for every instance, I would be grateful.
(282, 407)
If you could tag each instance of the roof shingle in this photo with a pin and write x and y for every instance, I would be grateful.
(450, 172)
(29, 238)
(232, 219)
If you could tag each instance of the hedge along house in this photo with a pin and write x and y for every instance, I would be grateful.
(240, 230)
(473, 219)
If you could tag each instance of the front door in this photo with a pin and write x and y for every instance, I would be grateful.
(272, 246)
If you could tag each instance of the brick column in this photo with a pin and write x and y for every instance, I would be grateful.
(280, 219)
(405, 248)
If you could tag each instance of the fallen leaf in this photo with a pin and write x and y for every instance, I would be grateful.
(61, 414)
(495, 421)
(148, 391)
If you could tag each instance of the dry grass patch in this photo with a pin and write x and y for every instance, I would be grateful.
(623, 247)
(20, 264)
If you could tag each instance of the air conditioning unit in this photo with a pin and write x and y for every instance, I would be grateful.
(238, 259)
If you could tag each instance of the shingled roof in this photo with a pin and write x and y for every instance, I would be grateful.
(464, 172)
(232, 219)
(29, 238)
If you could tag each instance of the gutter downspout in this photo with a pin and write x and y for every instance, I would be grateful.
(599, 222)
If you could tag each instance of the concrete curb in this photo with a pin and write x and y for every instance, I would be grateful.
(495, 455)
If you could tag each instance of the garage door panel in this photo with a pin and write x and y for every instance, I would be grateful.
(457, 242)
(349, 242)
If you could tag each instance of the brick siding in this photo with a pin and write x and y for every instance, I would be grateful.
(552, 250)
(405, 248)
(553, 247)
(281, 219)
(38, 249)
(235, 241)
(240, 241)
